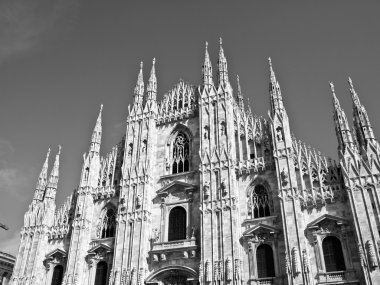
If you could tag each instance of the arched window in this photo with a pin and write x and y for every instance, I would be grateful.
(181, 154)
(333, 254)
(264, 261)
(259, 203)
(109, 224)
(177, 224)
(101, 273)
(57, 275)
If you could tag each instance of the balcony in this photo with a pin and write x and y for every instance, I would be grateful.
(337, 276)
(163, 251)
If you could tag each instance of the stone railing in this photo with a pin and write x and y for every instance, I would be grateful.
(104, 192)
(336, 276)
(265, 281)
(107, 241)
(163, 251)
(254, 164)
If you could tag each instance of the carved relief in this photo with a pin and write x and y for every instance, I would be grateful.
(223, 187)
(306, 263)
(200, 273)
(206, 190)
(238, 269)
(138, 201)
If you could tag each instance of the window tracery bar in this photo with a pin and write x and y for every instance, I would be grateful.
(109, 224)
(181, 154)
(259, 204)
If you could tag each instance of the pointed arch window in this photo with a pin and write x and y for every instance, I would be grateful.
(265, 261)
(177, 224)
(333, 254)
(259, 204)
(181, 153)
(109, 224)
(101, 273)
(57, 275)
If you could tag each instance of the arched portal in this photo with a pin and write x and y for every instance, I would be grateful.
(101, 273)
(177, 224)
(57, 275)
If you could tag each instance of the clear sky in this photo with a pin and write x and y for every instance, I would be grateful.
(60, 59)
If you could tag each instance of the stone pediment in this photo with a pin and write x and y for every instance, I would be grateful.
(100, 248)
(259, 229)
(175, 186)
(56, 252)
(327, 219)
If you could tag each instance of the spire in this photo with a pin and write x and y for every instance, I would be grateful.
(239, 94)
(275, 92)
(152, 83)
(53, 178)
(222, 66)
(207, 69)
(42, 180)
(362, 125)
(342, 127)
(96, 137)
(139, 88)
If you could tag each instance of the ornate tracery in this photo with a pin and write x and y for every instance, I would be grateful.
(108, 226)
(181, 153)
(259, 202)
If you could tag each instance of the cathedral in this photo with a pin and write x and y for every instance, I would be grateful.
(200, 190)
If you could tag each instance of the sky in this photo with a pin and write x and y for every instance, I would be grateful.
(61, 59)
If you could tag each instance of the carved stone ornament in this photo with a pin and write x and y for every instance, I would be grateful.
(155, 234)
(223, 186)
(371, 255)
(216, 270)
(306, 263)
(163, 257)
(138, 201)
(206, 190)
(237, 269)
(363, 260)
(200, 273)
(208, 271)
(284, 177)
(296, 261)
(134, 276)
(288, 266)
(228, 269)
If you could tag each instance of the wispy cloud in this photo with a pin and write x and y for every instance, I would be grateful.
(26, 25)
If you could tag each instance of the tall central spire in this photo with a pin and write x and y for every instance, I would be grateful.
(222, 66)
(363, 128)
(276, 102)
(96, 137)
(342, 127)
(207, 69)
(152, 83)
(139, 88)
(42, 180)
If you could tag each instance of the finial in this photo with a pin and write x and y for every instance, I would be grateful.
(220, 41)
(59, 149)
(332, 87)
(141, 65)
(101, 108)
(270, 62)
(154, 60)
(206, 44)
(237, 78)
(350, 82)
(48, 153)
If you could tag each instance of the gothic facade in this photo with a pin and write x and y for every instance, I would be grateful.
(200, 190)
